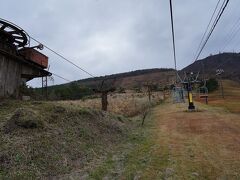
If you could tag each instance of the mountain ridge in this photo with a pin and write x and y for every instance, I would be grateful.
(229, 62)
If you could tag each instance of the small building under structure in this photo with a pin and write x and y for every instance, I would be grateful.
(18, 63)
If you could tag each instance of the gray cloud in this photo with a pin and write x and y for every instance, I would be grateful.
(110, 36)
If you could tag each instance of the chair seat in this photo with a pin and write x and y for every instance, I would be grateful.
(204, 96)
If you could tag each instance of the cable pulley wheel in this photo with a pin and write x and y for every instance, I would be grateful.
(13, 34)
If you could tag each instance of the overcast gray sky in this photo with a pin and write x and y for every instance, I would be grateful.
(112, 36)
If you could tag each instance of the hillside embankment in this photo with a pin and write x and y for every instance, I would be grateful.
(46, 139)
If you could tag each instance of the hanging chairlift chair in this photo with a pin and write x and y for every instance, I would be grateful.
(203, 93)
(178, 95)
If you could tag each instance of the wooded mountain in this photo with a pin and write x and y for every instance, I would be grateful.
(134, 79)
(229, 62)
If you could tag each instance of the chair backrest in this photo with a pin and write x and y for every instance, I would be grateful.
(203, 92)
(178, 95)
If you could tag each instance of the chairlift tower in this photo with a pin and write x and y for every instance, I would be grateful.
(219, 74)
(189, 80)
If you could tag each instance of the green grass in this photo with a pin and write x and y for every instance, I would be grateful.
(102, 170)
(136, 157)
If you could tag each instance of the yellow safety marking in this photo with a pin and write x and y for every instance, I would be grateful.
(190, 97)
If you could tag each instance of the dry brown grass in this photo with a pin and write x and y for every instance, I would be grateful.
(178, 144)
(69, 140)
(127, 104)
(201, 145)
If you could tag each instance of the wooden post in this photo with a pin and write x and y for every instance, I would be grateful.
(104, 101)
(219, 73)
(222, 87)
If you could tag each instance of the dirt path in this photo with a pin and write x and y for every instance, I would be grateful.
(201, 145)
(175, 144)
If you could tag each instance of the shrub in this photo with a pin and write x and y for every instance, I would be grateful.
(212, 84)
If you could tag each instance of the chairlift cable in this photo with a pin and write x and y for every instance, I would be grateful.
(173, 39)
(61, 56)
(214, 12)
(61, 77)
(220, 13)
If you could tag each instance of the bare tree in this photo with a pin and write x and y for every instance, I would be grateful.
(105, 89)
(150, 87)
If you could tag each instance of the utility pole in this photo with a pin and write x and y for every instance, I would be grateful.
(221, 84)
(219, 74)
(45, 87)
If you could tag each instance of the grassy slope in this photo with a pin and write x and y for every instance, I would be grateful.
(177, 144)
(71, 139)
(172, 144)
(231, 102)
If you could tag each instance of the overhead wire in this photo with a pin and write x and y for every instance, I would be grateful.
(173, 38)
(229, 31)
(60, 77)
(204, 35)
(230, 36)
(234, 31)
(236, 43)
(64, 58)
(220, 13)
(214, 12)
